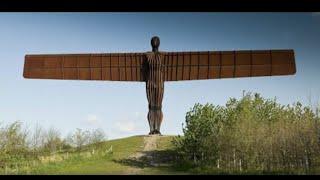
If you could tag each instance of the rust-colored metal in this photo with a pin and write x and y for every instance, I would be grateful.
(156, 67)
(106, 67)
(228, 64)
(154, 86)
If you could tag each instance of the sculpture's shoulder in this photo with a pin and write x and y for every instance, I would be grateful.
(151, 54)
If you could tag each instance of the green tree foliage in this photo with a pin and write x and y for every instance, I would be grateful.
(13, 143)
(252, 133)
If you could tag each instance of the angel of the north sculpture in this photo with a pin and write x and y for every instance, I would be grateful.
(156, 67)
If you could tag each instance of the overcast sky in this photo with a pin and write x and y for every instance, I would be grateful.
(120, 108)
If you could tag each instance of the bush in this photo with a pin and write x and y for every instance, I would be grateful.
(53, 141)
(13, 143)
(252, 133)
(97, 136)
(81, 138)
(21, 149)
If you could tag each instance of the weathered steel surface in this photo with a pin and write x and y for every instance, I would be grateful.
(156, 67)
(107, 67)
(228, 64)
(178, 65)
(155, 89)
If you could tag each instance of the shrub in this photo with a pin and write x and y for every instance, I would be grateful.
(252, 133)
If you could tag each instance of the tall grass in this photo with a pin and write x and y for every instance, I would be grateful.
(22, 149)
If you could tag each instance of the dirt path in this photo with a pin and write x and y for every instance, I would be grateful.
(146, 155)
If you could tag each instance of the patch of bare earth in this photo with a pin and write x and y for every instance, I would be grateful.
(147, 155)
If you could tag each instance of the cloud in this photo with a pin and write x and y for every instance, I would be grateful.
(92, 119)
(126, 126)
(129, 124)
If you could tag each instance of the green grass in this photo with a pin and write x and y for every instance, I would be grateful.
(109, 163)
(119, 161)
(116, 162)
(97, 164)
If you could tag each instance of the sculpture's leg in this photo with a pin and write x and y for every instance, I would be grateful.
(155, 118)
(151, 121)
(158, 121)
(155, 115)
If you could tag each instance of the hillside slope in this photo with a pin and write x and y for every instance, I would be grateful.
(132, 155)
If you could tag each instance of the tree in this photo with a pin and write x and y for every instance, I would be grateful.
(251, 133)
(37, 140)
(53, 141)
(79, 138)
(97, 136)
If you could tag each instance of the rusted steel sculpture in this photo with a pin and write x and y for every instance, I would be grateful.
(156, 67)
(155, 86)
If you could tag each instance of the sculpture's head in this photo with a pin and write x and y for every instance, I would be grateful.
(155, 43)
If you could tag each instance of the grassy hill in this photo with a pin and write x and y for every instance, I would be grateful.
(252, 135)
(132, 155)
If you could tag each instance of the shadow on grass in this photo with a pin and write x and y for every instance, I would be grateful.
(157, 158)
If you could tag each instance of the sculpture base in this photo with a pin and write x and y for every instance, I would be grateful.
(155, 132)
